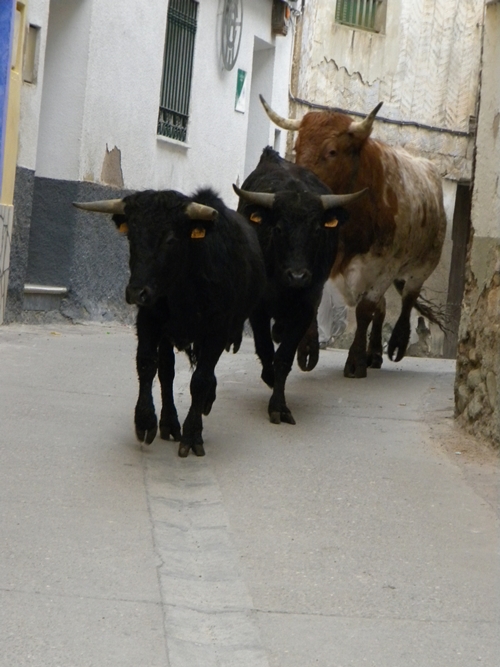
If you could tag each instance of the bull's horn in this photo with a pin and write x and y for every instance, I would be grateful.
(197, 211)
(285, 123)
(112, 206)
(330, 201)
(265, 199)
(364, 127)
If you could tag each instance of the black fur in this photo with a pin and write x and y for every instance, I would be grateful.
(193, 294)
(298, 253)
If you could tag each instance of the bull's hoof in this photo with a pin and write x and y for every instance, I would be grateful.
(399, 340)
(146, 435)
(308, 353)
(184, 450)
(281, 416)
(396, 351)
(194, 442)
(375, 360)
(352, 370)
(170, 430)
(307, 359)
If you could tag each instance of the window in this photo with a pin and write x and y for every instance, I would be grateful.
(31, 54)
(366, 14)
(177, 69)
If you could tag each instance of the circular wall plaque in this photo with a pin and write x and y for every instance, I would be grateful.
(232, 24)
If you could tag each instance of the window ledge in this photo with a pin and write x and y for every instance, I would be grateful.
(174, 142)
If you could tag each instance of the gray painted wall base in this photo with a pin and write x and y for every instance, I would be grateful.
(55, 244)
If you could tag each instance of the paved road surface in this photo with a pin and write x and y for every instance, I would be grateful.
(355, 538)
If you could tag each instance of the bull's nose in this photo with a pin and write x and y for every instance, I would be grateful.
(298, 277)
(140, 296)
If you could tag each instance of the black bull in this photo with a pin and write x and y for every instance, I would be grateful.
(196, 275)
(297, 220)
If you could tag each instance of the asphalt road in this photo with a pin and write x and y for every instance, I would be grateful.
(358, 537)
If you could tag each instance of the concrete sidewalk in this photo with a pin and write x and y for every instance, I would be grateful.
(356, 538)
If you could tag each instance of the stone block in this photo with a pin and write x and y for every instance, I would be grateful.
(462, 398)
(491, 387)
(474, 378)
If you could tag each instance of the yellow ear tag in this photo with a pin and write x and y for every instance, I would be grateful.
(332, 223)
(198, 233)
(123, 228)
(255, 217)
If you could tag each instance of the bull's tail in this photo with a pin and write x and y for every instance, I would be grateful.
(432, 311)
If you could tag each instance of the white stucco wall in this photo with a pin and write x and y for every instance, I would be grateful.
(64, 89)
(486, 195)
(31, 93)
(119, 59)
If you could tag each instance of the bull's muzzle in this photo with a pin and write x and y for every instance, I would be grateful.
(139, 296)
(298, 277)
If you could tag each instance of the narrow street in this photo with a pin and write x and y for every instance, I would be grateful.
(366, 535)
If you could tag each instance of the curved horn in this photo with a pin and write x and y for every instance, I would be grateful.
(329, 201)
(285, 123)
(197, 211)
(265, 199)
(364, 127)
(112, 206)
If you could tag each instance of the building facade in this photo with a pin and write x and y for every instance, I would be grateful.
(128, 96)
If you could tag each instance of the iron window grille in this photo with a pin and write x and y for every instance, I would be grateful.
(177, 69)
(365, 14)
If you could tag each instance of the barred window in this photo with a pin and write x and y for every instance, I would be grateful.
(365, 14)
(177, 69)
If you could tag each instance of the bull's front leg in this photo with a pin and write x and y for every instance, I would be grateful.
(357, 359)
(293, 333)
(169, 421)
(148, 337)
(202, 387)
(264, 348)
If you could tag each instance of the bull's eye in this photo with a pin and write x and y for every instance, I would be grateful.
(170, 239)
(332, 153)
(278, 231)
(332, 223)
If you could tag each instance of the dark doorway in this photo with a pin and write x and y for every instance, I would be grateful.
(456, 282)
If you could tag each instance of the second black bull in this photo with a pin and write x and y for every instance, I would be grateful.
(297, 219)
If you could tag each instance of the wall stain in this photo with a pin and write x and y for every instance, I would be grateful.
(111, 173)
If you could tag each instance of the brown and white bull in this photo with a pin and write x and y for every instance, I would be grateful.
(395, 235)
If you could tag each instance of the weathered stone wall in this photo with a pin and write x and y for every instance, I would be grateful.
(477, 383)
(477, 396)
